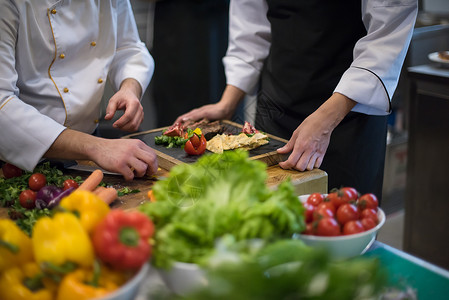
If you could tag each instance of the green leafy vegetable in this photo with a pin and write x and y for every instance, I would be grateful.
(287, 269)
(219, 194)
(11, 188)
(170, 141)
(126, 190)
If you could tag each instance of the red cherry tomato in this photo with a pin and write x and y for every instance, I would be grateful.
(353, 227)
(309, 212)
(315, 199)
(190, 148)
(310, 229)
(368, 223)
(339, 198)
(328, 227)
(322, 211)
(328, 205)
(347, 212)
(352, 192)
(37, 181)
(10, 171)
(27, 199)
(369, 213)
(367, 201)
(70, 183)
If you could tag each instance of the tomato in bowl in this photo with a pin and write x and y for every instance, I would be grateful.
(341, 245)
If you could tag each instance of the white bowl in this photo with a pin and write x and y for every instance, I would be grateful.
(129, 290)
(183, 278)
(344, 246)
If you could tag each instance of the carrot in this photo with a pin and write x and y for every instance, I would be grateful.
(98, 189)
(151, 196)
(108, 195)
(92, 181)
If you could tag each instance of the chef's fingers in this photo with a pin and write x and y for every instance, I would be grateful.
(127, 173)
(130, 121)
(148, 156)
(312, 161)
(303, 161)
(292, 160)
(111, 108)
(287, 147)
(319, 161)
(138, 167)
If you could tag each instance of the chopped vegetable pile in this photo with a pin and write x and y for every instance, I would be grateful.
(11, 189)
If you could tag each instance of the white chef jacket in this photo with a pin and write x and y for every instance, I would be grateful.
(378, 57)
(55, 57)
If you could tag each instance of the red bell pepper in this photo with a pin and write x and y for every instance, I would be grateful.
(196, 145)
(122, 239)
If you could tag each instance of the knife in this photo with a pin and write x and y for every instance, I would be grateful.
(74, 165)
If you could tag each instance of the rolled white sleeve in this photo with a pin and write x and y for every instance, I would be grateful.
(378, 57)
(249, 43)
(132, 59)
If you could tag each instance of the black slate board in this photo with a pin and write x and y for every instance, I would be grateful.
(266, 153)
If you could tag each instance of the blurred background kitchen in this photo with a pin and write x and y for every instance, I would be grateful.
(188, 39)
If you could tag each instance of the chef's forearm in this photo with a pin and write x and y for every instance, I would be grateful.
(231, 97)
(72, 144)
(133, 86)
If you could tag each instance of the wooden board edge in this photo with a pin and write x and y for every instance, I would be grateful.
(270, 158)
(144, 132)
(165, 161)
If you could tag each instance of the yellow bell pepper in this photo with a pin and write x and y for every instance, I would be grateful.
(61, 240)
(26, 282)
(87, 283)
(90, 208)
(15, 245)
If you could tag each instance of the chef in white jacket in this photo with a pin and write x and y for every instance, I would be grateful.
(325, 72)
(55, 58)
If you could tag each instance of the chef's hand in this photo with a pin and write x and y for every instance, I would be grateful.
(310, 140)
(129, 157)
(128, 100)
(222, 110)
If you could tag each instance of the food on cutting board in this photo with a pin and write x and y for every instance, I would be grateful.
(222, 142)
(218, 140)
(443, 55)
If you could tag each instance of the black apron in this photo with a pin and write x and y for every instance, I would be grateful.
(312, 46)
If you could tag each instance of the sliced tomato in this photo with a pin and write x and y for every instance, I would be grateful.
(190, 147)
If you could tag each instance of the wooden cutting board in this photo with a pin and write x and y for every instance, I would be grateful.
(169, 157)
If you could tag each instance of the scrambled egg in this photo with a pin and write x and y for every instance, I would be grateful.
(222, 142)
